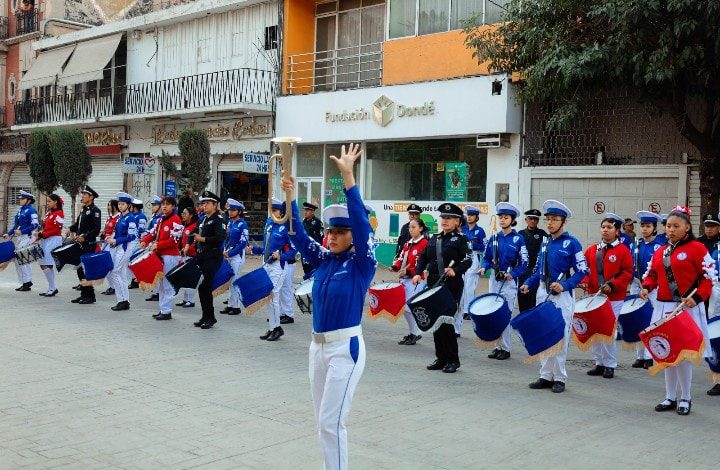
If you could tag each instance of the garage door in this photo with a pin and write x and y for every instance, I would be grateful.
(589, 197)
(19, 180)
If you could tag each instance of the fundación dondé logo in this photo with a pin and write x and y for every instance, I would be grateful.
(383, 112)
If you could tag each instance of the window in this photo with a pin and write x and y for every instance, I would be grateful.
(418, 17)
(416, 170)
(310, 160)
(271, 37)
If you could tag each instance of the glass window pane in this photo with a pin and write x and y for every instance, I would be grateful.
(402, 18)
(348, 4)
(309, 160)
(463, 9)
(433, 16)
(494, 11)
(321, 8)
(334, 186)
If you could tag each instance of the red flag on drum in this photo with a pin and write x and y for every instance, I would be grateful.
(593, 322)
(673, 339)
(387, 299)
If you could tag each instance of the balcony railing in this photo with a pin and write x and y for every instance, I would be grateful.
(227, 87)
(338, 69)
(26, 22)
(3, 27)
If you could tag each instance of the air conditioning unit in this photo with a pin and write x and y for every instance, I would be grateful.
(492, 141)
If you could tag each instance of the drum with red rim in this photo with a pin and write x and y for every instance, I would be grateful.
(147, 268)
(593, 322)
(387, 299)
(673, 339)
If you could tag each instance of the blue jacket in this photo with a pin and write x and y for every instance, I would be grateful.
(558, 256)
(141, 223)
(341, 281)
(476, 237)
(26, 220)
(239, 235)
(506, 253)
(275, 238)
(642, 254)
(125, 230)
(662, 239)
(627, 240)
(154, 220)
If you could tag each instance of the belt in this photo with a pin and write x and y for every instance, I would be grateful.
(336, 335)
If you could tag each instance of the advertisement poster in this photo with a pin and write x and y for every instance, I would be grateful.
(455, 181)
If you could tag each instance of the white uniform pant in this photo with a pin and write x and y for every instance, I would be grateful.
(335, 370)
(470, 280)
(189, 295)
(714, 308)
(275, 272)
(642, 352)
(553, 368)
(24, 272)
(606, 354)
(132, 247)
(236, 263)
(509, 292)
(287, 292)
(682, 373)
(164, 289)
(117, 278)
(411, 290)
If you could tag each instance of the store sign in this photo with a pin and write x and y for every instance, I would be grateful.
(456, 181)
(383, 111)
(139, 164)
(104, 136)
(255, 162)
(14, 143)
(170, 188)
(241, 129)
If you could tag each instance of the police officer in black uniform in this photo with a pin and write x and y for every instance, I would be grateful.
(414, 212)
(208, 243)
(313, 227)
(711, 229)
(86, 230)
(454, 248)
(533, 240)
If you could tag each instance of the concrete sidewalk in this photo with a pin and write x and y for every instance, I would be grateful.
(84, 387)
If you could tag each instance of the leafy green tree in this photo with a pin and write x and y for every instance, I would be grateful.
(42, 168)
(72, 161)
(195, 152)
(567, 51)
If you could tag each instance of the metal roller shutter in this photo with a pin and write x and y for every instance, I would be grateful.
(694, 198)
(19, 179)
(106, 180)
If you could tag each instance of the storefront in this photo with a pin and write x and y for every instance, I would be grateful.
(424, 143)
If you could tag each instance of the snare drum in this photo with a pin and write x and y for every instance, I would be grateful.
(593, 322)
(433, 307)
(673, 339)
(222, 278)
(386, 299)
(714, 338)
(256, 289)
(96, 266)
(635, 316)
(7, 254)
(29, 254)
(542, 330)
(490, 314)
(303, 296)
(68, 253)
(147, 267)
(185, 275)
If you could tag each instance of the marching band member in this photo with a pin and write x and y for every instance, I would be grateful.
(711, 232)
(507, 256)
(627, 235)
(534, 237)
(208, 243)
(238, 239)
(643, 249)
(662, 238)
(414, 212)
(560, 253)
(136, 211)
(313, 227)
(343, 274)
(85, 230)
(453, 247)
(676, 271)
(120, 245)
(156, 214)
(405, 265)
(50, 238)
(26, 222)
(277, 251)
(611, 271)
(163, 240)
(287, 291)
(476, 240)
(113, 217)
(715, 301)
(189, 219)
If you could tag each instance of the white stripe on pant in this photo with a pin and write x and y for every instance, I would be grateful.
(117, 278)
(553, 368)
(606, 354)
(236, 263)
(509, 293)
(410, 290)
(287, 292)
(334, 375)
(275, 272)
(24, 272)
(164, 289)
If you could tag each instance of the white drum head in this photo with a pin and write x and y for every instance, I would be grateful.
(141, 257)
(590, 303)
(630, 306)
(386, 285)
(305, 288)
(427, 293)
(714, 329)
(486, 305)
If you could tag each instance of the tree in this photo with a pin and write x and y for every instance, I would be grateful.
(42, 168)
(569, 50)
(195, 152)
(72, 161)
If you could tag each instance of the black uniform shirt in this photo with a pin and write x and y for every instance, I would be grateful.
(454, 248)
(402, 239)
(213, 229)
(87, 224)
(314, 228)
(533, 242)
(708, 242)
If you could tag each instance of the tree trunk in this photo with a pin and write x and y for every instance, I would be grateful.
(709, 184)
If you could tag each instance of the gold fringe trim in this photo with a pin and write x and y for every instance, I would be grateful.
(251, 309)
(5, 265)
(685, 355)
(548, 353)
(714, 377)
(632, 347)
(387, 315)
(597, 338)
(96, 282)
(146, 286)
(482, 344)
(223, 288)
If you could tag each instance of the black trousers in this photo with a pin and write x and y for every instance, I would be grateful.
(527, 301)
(307, 268)
(446, 345)
(86, 292)
(208, 266)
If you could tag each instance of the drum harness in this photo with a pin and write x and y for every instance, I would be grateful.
(672, 283)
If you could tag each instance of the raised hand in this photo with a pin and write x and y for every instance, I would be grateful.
(347, 158)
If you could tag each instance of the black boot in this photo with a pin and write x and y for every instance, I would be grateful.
(124, 305)
(25, 287)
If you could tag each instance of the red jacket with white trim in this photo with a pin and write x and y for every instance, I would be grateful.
(410, 252)
(617, 269)
(53, 223)
(691, 266)
(167, 231)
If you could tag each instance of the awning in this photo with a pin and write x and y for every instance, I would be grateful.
(46, 67)
(13, 157)
(89, 60)
(97, 150)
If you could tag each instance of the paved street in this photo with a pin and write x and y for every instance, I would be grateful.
(85, 387)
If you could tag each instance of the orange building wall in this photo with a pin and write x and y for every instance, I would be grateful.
(429, 57)
(299, 38)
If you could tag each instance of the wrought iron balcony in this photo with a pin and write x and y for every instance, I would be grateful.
(3, 27)
(27, 22)
(228, 87)
(337, 69)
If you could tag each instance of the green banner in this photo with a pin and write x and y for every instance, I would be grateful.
(455, 181)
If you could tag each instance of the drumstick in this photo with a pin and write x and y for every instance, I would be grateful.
(552, 292)
(679, 307)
